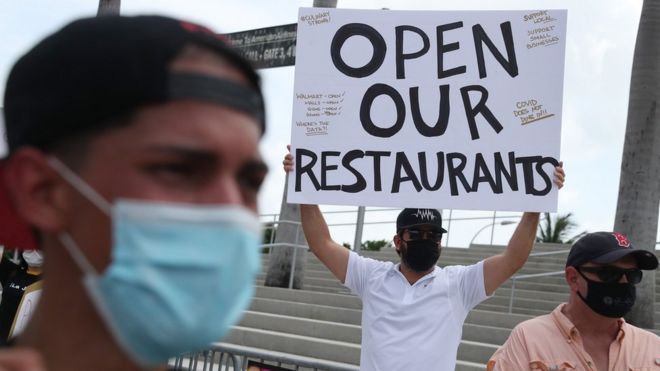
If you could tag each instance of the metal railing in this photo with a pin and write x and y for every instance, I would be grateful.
(296, 247)
(225, 357)
(271, 220)
(512, 292)
(526, 276)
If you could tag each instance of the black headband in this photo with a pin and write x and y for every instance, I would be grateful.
(224, 92)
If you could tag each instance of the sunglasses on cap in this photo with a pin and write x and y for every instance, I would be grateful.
(416, 235)
(614, 274)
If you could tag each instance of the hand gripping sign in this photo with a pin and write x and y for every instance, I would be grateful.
(428, 109)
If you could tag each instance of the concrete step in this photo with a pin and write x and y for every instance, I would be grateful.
(338, 351)
(477, 352)
(469, 366)
(331, 290)
(523, 298)
(310, 297)
(485, 334)
(532, 294)
(295, 344)
(496, 317)
(499, 319)
(302, 326)
(351, 333)
(515, 310)
(304, 310)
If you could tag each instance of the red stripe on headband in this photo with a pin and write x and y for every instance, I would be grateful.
(14, 231)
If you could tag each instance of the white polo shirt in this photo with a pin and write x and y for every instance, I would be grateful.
(412, 327)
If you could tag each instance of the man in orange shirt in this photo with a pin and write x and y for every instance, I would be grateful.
(588, 333)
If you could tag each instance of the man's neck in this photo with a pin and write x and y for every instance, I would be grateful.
(413, 276)
(65, 323)
(589, 323)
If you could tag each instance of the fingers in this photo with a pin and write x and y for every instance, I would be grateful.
(560, 175)
(287, 163)
(21, 359)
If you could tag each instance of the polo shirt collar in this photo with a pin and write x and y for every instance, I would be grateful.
(569, 330)
(394, 269)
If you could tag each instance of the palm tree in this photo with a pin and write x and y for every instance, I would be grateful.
(557, 231)
(639, 188)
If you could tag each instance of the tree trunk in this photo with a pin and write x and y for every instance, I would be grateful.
(281, 257)
(109, 7)
(639, 186)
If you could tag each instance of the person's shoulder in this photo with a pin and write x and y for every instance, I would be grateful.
(642, 335)
(453, 270)
(373, 264)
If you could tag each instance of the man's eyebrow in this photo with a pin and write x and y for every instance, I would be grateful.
(187, 152)
(252, 166)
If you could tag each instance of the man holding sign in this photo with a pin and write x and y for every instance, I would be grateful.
(413, 312)
(426, 110)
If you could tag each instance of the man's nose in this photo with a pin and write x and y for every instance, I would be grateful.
(225, 191)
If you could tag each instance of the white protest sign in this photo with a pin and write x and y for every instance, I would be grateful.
(456, 109)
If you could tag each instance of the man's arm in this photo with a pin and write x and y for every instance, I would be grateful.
(499, 268)
(331, 254)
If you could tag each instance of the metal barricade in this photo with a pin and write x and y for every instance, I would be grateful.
(231, 357)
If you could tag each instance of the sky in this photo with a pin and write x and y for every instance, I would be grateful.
(599, 51)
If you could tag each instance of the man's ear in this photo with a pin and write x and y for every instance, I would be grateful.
(38, 192)
(571, 276)
(397, 243)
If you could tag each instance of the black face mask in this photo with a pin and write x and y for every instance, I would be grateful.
(612, 299)
(419, 255)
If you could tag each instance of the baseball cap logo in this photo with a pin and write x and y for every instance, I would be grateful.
(424, 214)
(621, 240)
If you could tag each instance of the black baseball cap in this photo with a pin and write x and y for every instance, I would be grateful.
(97, 69)
(608, 247)
(409, 218)
(94, 71)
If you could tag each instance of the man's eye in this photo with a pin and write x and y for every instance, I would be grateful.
(251, 183)
(172, 168)
(414, 235)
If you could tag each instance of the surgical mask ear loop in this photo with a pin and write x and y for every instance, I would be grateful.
(80, 185)
(96, 199)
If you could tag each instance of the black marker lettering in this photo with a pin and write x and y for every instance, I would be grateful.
(400, 55)
(308, 169)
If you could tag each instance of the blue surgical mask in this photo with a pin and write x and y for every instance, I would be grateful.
(180, 277)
